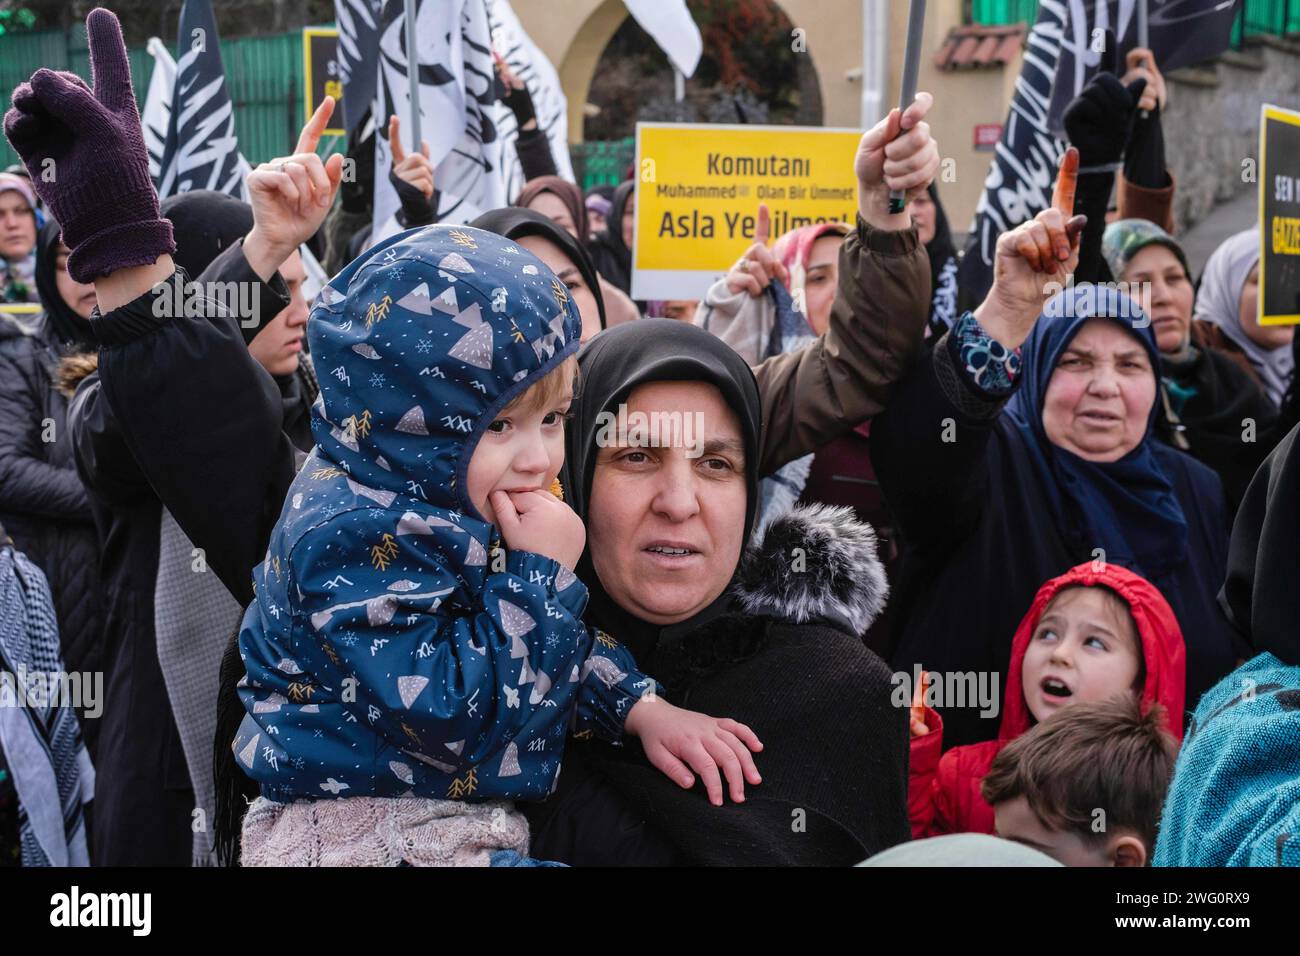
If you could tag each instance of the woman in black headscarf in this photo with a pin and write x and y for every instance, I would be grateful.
(932, 228)
(561, 201)
(766, 630)
(556, 247)
(611, 250)
(43, 504)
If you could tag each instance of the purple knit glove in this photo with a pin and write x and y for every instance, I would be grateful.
(98, 186)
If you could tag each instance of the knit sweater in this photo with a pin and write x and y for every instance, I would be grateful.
(377, 831)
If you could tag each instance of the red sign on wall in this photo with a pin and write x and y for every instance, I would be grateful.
(987, 135)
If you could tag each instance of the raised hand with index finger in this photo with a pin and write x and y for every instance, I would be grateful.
(411, 175)
(1033, 261)
(291, 196)
(86, 155)
(757, 267)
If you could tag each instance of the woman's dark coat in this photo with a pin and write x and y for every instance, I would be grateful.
(778, 652)
(144, 800)
(981, 536)
(43, 504)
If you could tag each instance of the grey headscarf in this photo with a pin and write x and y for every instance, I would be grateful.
(1218, 301)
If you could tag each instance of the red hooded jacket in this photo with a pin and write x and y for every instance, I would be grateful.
(944, 792)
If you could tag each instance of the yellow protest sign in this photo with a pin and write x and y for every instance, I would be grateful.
(698, 190)
(1279, 216)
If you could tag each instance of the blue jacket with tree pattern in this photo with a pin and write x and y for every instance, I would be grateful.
(394, 648)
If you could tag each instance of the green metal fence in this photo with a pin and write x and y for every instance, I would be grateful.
(1254, 18)
(1266, 17)
(602, 162)
(264, 76)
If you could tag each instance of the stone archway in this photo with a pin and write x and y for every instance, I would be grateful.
(575, 39)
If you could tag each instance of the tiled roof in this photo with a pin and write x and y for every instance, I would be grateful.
(968, 47)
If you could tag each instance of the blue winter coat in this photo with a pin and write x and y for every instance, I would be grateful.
(394, 648)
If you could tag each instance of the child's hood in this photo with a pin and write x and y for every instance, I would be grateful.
(419, 343)
(1162, 644)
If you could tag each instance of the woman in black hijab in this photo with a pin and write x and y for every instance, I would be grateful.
(767, 631)
(932, 228)
(610, 250)
(556, 247)
(43, 504)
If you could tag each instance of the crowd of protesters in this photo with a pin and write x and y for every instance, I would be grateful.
(371, 582)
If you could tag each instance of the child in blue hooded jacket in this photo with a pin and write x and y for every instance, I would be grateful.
(415, 654)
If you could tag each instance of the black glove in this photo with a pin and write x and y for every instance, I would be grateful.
(416, 210)
(1144, 156)
(1098, 120)
(520, 102)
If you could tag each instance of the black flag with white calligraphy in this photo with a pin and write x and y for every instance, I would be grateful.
(358, 57)
(201, 151)
(1020, 178)
(1180, 32)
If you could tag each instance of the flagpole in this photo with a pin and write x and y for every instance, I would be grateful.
(907, 93)
(1144, 38)
(413, 76)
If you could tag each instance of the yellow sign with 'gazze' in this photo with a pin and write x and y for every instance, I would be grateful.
(698, 188)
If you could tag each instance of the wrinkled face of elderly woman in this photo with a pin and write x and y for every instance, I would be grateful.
(666, 521)
(1099, 398)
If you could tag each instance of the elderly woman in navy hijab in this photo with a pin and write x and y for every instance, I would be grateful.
(1022, 445)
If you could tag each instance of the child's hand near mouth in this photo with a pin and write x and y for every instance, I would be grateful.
(539, 522)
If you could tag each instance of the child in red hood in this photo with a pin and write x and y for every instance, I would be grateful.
(1090, 633)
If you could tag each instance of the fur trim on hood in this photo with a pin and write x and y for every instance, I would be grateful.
(815, 562)
(73, 369)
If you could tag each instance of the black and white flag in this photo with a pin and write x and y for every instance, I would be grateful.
(358, 57)
(531, 66)
(457, 102)
(157, 112)
(1020, 178)
(201, 151)
(1180, 33)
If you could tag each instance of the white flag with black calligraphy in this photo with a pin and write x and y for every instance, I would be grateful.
(530, 65)
(457, 100)
(157, 110)
(358, 54)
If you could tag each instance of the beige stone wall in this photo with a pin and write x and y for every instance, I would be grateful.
(573, 34)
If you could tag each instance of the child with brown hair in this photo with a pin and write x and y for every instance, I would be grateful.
(1086, 785)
